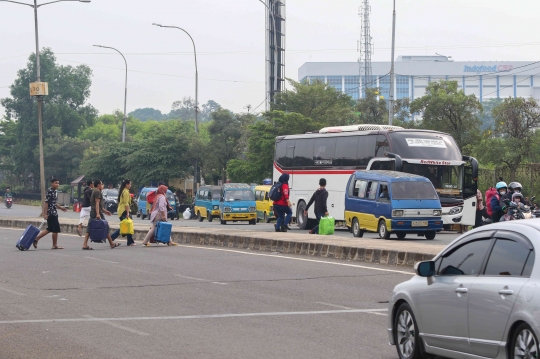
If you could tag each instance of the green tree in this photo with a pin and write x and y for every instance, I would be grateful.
(371, 108)
(322, 103)
(65, 107)
(147, 113)
(514, 139)
(445, 108)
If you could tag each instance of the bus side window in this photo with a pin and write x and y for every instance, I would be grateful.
(382, 146)
(366, 149)
(325, 149)
(303, 152)
(346, 149)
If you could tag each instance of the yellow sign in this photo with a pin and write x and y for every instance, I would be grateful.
(39, 89)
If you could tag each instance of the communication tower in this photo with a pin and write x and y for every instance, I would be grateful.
(365, 47)
(275, 49)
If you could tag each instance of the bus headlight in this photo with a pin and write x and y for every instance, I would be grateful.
(455, 210)
(227, 209)
(397, 213)
(252, 209)
(437, 213)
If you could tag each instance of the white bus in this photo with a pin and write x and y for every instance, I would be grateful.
(336, 152)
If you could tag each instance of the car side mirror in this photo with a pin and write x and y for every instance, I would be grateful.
(425, 269)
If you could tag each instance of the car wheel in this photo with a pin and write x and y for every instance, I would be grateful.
(401, 235)
(199, 216)
(383, 230)
(524, 343)
(406, 334)
(356, 231)
(210, 218)
(430, 235)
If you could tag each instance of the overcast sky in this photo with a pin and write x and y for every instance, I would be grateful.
(230, 42)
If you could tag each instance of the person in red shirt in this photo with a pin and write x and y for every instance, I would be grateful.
(283, 206)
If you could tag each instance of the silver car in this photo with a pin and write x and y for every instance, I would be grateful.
(475, 299)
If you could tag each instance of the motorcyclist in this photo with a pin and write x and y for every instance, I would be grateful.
(8, 193)
(513, 187)
(495, 202)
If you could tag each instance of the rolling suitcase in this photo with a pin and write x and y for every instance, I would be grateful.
(163, 232)
(99, 230)
(28, 237)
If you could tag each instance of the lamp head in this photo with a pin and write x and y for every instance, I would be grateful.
(157, 24)
(85, 0)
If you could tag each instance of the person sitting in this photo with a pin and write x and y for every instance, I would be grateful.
(384, 192)
(8, 193)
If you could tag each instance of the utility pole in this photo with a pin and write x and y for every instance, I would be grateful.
(392, 74)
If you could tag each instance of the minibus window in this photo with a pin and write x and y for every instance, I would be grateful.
(413, 190)
(372, 190)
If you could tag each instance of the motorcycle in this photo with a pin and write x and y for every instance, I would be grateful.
(517, 211)
(9, 202)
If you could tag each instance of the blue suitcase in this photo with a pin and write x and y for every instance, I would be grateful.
(99, 230)
(163, 232)
(28, 237)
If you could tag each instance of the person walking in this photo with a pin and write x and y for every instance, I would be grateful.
(481, 210)
(85, 210)
(50, 214)
(97, 211)
(158, 213)
(320, 196)
(124, 208)
(283, 206)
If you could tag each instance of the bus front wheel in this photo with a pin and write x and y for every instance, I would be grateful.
(301, 219)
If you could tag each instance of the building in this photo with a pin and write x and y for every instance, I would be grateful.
(486, 79)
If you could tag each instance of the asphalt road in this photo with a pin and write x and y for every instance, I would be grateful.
(20, 211)
(188, 302)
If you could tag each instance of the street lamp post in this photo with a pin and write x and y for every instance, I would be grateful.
(196, 96)
(125, 92)
(35, 6)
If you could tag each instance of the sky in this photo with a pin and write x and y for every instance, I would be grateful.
(230, 40)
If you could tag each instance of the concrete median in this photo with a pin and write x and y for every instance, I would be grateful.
(389, 252)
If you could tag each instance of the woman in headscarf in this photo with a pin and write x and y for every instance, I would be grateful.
(124, 209)
(158, 213)
(283, 206)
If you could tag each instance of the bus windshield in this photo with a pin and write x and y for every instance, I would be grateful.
(447, 180)
(413, 190)
(425, 145)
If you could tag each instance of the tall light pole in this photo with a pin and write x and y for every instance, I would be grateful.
(392, 74)
(125, 93)
(35, 6)
(196, 95)
(268, 96)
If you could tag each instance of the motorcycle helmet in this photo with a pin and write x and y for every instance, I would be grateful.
(515, 187)
(518, 195)
(501, 185)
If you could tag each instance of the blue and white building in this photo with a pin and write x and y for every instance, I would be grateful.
(486, 79)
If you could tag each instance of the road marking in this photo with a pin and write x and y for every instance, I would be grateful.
(12, 291)
(209, 316)
(333, 305)
(383, 314)
(102, 260)
(119, 326)
(284, 256)
(220, 283)
(199, 279)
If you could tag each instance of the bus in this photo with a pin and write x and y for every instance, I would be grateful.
(336, 152)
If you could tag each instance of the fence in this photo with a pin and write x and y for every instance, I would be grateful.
(528, 175)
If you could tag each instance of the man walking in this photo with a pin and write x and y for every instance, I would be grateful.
(319, 197)
(50, 214)
(97, 210)
(85, 210)
(283, 206)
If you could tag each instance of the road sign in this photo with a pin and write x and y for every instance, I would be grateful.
(39, 89)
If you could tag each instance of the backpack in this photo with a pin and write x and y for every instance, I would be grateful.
(275, 192)
(489, 194)
(150, 197)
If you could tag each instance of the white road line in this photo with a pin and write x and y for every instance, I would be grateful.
(209, 316)
(383, 314)
(12, 291)
(333, 305)
(220, 283)
(102, 260)
(185, 276)
(299, 259)
(119, 326)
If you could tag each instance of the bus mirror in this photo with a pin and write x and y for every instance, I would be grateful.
(397, 159)
(474, 165)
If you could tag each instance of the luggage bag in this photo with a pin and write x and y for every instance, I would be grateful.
(327, 225)
(99, 230)
(28, 237)
(163, 232)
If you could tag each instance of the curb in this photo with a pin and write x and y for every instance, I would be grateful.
(304, 245)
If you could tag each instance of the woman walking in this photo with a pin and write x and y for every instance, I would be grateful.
(158, 213)
(124, 208)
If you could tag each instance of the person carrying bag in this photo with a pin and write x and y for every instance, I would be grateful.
(158, 213)
(124, 209)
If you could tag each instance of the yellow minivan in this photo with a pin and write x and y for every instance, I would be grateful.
(265, 209)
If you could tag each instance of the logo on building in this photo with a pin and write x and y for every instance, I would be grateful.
(481, 68)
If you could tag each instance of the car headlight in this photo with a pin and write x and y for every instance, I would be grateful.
(437, 213)
(216, 207)
(397, 213)
(227, 209)
(455, 210)
(252, 209)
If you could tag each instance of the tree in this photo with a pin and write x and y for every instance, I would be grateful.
(371, 108)
(147, 113)
(514, 136)
(185, 110)
(446, 109)
(65, 107)
(322, 103)
(488, 122)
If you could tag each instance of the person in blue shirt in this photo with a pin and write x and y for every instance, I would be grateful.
(496, 208)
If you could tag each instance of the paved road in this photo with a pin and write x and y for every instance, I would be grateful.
(188, 302)
(20, 211)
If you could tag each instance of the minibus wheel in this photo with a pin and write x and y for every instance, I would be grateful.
(210, 218)
(199, 216)
(401, 235)
(356, 231)
(383, 230)
(430, 235)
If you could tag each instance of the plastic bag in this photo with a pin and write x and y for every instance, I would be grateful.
(187, 214)
(126, 227)
(327, 225)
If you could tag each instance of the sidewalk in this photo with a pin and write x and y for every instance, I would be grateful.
(391, 252)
